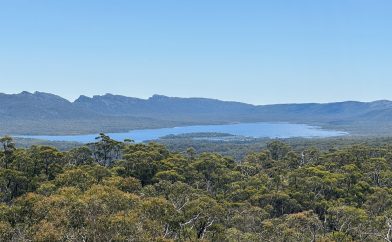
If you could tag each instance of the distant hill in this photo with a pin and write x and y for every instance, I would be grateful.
(40, 105)
(168, 108)
(47, 113)
(203, 109)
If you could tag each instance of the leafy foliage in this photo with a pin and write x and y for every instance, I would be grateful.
(122, 191)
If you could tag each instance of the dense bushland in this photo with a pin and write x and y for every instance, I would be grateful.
(122, 191)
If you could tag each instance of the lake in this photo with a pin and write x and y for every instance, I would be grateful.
(253, 130)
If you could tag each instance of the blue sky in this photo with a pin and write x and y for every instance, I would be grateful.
(253, 51)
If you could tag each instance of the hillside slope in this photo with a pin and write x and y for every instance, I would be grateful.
(45, 113)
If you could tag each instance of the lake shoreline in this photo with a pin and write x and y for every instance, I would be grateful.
(253, 130)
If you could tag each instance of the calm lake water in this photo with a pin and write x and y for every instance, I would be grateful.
(254, 130)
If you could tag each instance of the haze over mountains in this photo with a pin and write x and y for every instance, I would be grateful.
(45, 113)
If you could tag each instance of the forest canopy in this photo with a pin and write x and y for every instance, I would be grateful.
(123, 191)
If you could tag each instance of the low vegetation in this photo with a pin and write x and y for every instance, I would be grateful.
(122, 191)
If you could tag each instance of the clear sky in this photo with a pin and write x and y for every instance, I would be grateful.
(275, 51)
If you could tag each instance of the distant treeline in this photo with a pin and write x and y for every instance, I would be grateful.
(122, 191)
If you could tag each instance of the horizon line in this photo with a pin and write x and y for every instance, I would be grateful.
(191, 97)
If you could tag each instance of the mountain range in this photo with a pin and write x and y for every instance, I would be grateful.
(45, 113)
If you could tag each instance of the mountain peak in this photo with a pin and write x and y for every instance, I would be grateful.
(158, 97)
(25, 93)
(82, 98)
